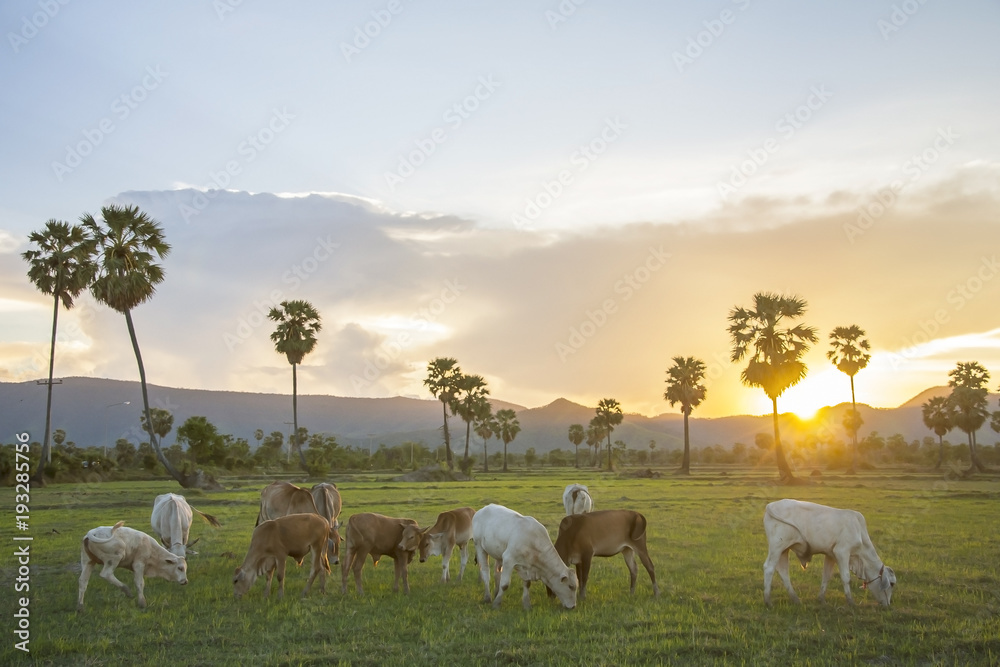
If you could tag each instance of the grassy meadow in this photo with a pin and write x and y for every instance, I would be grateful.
(705, 539)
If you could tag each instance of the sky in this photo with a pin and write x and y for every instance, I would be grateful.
(561, 195)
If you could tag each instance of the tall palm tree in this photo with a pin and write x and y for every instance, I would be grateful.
(470, 402)
(163, 422)
(774, 353)
(295, 337)
(684, 386)
(62, 266)
(969, 398)
(507, 429)
(443, 374)
(576, 435)
(849, 353)
(939, 416)
(595, 437)
(609, 415)
(486, 427)
(128, 243)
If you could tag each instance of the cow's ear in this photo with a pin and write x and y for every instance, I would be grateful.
(564, 579)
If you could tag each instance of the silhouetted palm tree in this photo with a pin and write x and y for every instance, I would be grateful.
(295, 337)
(684, 386)
(486, 427)
(61, 266)
(969, 398)
(576, 435)
(470, 402)
(442, 375)
(939, 416)
(128, 243)
(849, 353)
(163, 422)
(774, 353)
(609, 415)
(507, 429)
(595, 438)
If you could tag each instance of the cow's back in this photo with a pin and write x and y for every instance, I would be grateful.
(379, 534)
(279, 499)
(498, 529)
(327, 500)
(820, 526)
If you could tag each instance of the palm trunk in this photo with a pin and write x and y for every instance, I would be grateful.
(447, 438)
(46, 457)
(295, 418)
(852, 469)
(181, 479)
(610, 464)
(486, 457)
(784, 471)
(576, 455)
(974, 462)
(940, 452)
(505, 455)
(686, 461)
(468, 433)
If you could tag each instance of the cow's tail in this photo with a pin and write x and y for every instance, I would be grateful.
(638, 526)
(208, 517)
(90, 554)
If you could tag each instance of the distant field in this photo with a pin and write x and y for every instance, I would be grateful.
(705, 539)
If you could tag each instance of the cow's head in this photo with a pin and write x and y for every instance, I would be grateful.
(430, 545)
(175, 569)
(242, 581)
(410, 540)
(333, 546)
(883, 586)
(565, 587)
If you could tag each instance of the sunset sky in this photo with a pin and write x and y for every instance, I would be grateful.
(561, 195)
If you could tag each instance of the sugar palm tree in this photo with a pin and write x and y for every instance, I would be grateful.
(128, 244)
(595, 437)
(507, 429)
(60, 265)
(939, 416)
(684, 386)
(443, 374)
(576, 435)
(969, 398)
(295, 337)
(470, 402)
(774, 353)
(849, 353)
(486, 427)
(609, 415)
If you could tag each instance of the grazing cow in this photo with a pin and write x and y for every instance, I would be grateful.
(519, 543)
(171, 520)
(377, 535)
(605, 533)
(841, 535)
(577, 500)
(327, 500)
(273, 541)
(279, 499)
(453, 528)
(117, 546)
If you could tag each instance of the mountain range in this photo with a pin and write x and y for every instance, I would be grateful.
(94, 411)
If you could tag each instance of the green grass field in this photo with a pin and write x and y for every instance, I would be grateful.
(705, 539)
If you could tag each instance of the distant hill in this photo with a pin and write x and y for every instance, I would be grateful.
(90, 410)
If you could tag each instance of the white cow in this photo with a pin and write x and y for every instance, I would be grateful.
(842, 535)
(117, 546)
(519, 543)
(171, 519)
(577, 500)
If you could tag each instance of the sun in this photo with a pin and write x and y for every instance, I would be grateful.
(815, 392)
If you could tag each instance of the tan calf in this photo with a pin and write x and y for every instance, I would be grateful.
(452, 528)
(604, 533)
(273, 541)
(378, 535)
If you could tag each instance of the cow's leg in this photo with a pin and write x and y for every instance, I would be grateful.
(502, 585)
(583, 572)
(463, 552)
(783, 573)
(86, 569)
(400, 572)
(446, 562)
(346, 563)
(633, 570)
(140, 583)
(359, 562)
(843, 564)
(108, 574)
(526, 595)
(648, 564)
(497, 571)
(280, 567)
(314, 569)
(483, 559)
(270, 575)
(827, 574)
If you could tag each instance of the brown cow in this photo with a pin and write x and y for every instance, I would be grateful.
(275, 540)
(377, 535)
(453, 528)
(327, 500)
(604, 533)
(279, 499)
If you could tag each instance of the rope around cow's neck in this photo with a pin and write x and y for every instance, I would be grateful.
(864, 584)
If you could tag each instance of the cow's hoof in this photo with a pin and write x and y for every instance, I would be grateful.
(142, 604)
